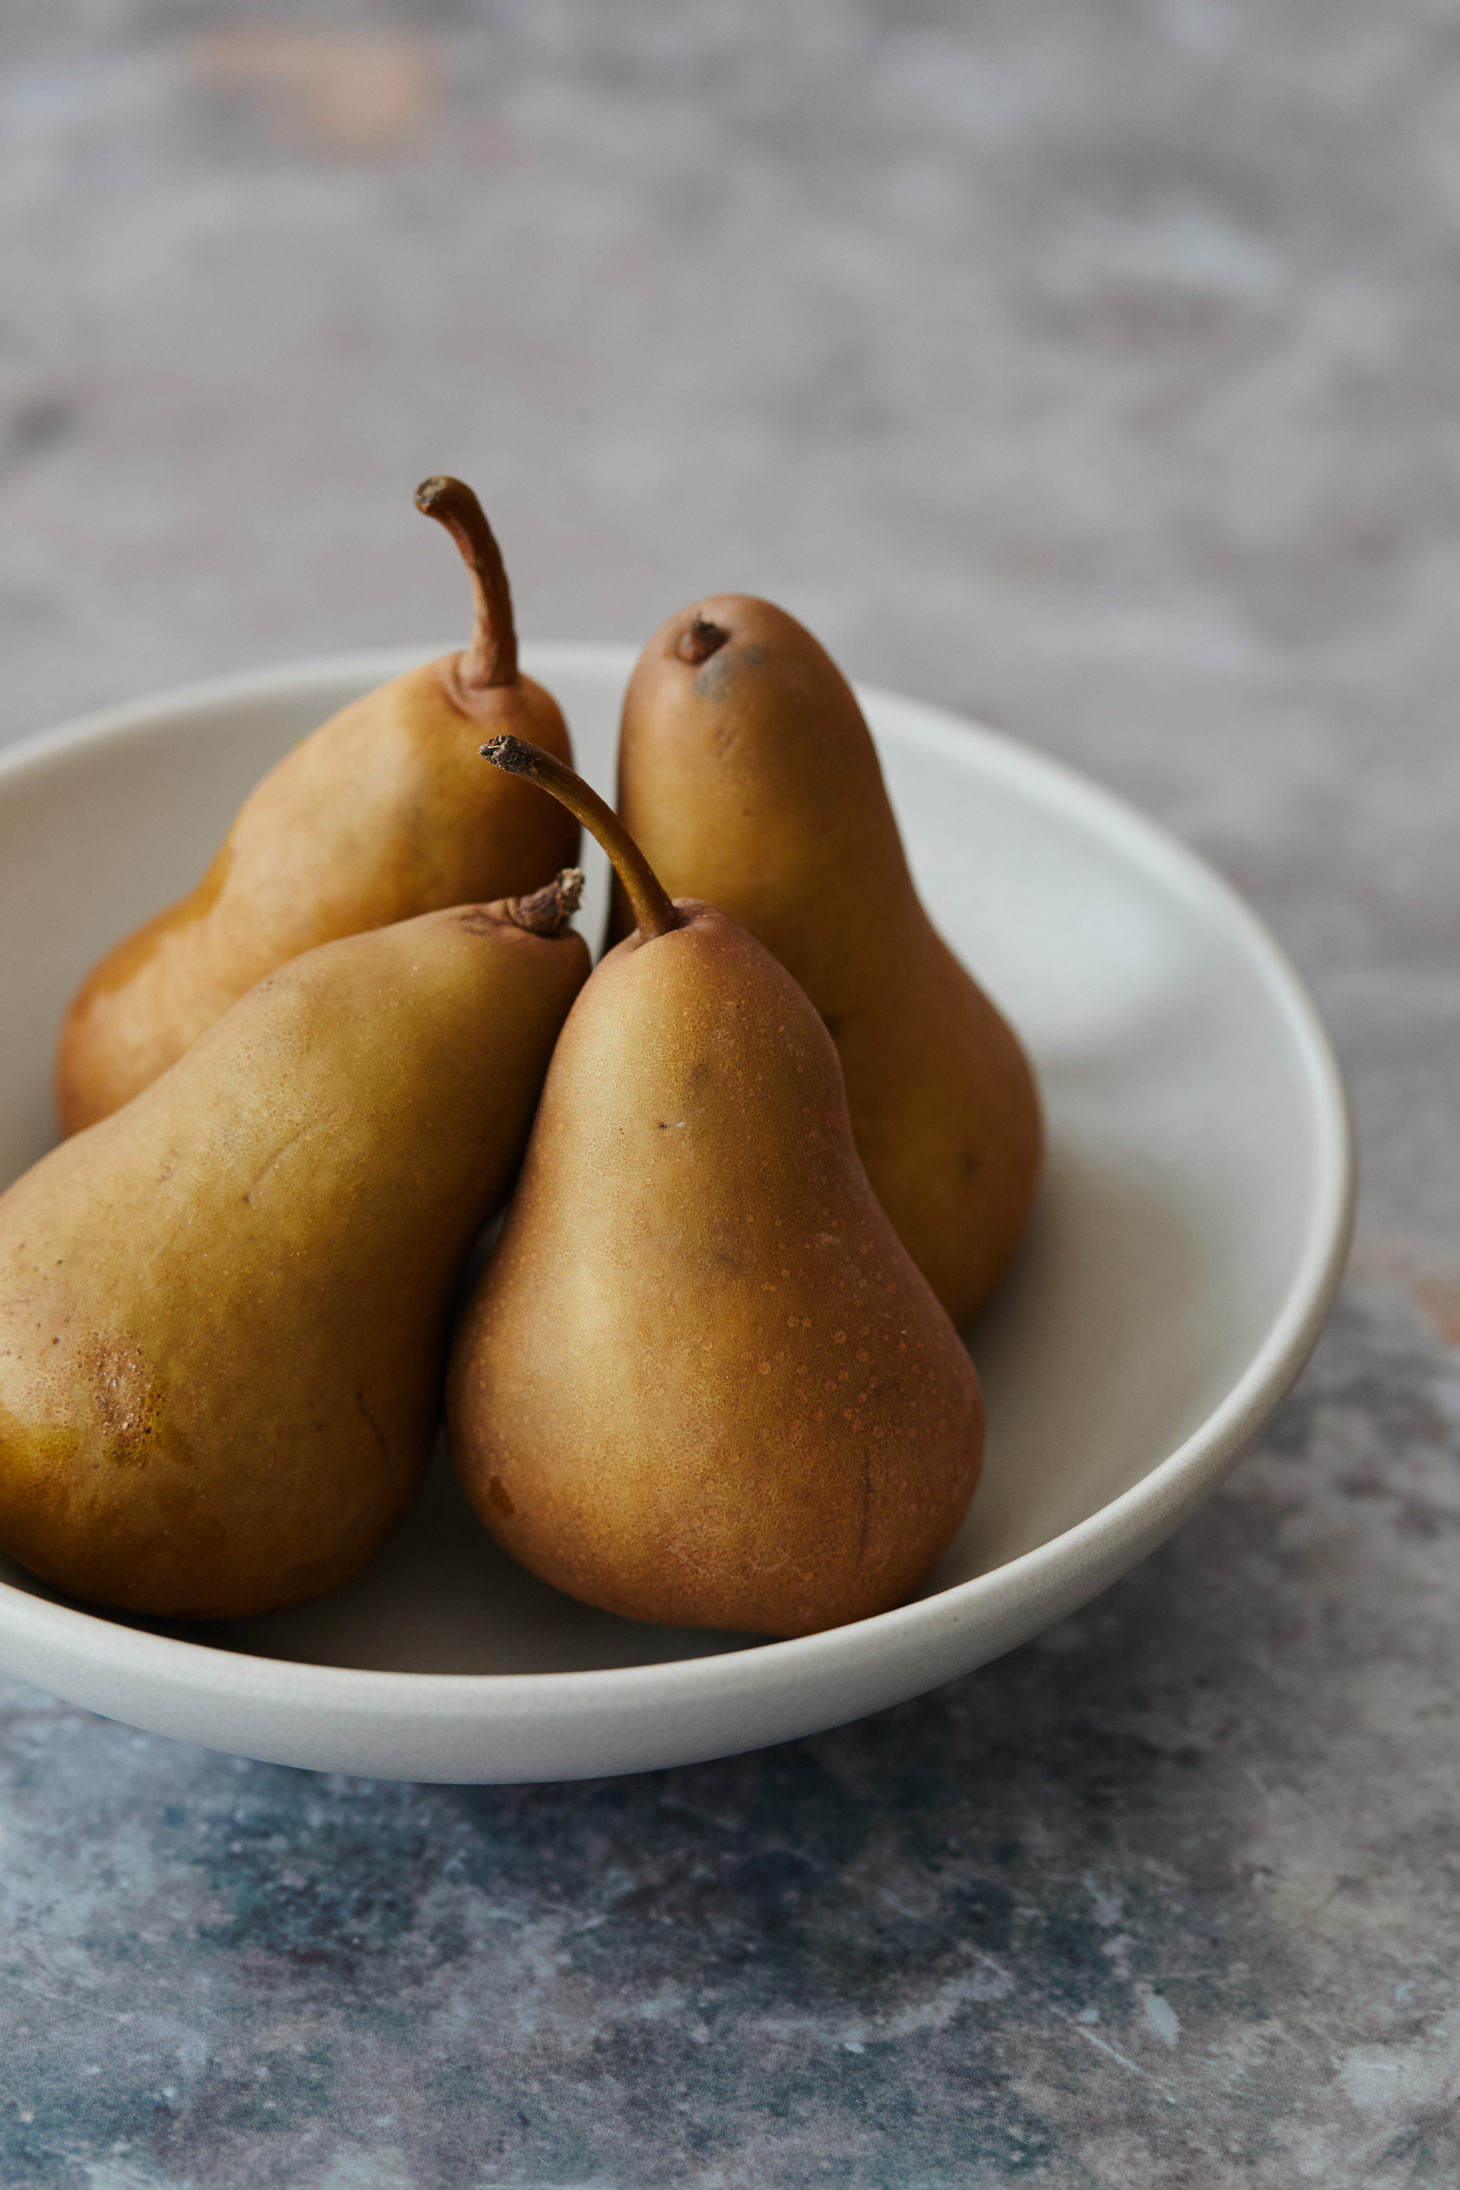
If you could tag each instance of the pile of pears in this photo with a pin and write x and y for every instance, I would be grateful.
(757, 1165)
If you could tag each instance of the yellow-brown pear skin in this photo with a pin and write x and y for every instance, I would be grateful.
(223, 1310)
(748, 777)
(383, 812)
(701, 1382)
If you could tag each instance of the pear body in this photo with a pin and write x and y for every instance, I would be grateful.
(701, 1382)
(750, 779)
(222, 1310)
(383, 813)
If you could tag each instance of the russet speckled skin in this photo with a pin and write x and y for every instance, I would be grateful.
(385, 812)
(701, 1382)
(750, 779)
(222, 1310)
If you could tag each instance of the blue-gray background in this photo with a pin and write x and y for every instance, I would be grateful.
(1093, 367)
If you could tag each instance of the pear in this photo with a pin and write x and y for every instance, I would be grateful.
(380, 814)
(701, 1381)
(749, 777)
(223, 1309)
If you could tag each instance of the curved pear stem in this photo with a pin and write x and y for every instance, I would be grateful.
(491, 658)
(652, 909)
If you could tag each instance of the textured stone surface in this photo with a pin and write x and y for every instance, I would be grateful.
(1093, 368)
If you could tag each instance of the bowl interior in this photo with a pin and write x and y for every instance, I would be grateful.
(1182, 1181)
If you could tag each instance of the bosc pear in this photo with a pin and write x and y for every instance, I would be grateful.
(701, 1381)
(380, 814)
(223, 1309)
(749, 777)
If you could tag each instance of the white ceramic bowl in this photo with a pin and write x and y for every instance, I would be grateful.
(1189, 1239)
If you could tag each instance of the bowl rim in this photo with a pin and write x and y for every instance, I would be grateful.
(1143, 1514)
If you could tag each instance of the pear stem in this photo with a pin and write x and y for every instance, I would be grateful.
(700, 640)
(491, 659)
(548, 910)
(651, 907)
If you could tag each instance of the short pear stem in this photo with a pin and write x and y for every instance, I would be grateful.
(548, 910)
(491, 658)
(652, 909)
(700, 641)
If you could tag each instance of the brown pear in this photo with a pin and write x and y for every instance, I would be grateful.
(748, 775)
(381, 814)
(223, 1310)
(701, 1381)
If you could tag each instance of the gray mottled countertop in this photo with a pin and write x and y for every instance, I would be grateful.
(1096, 369)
